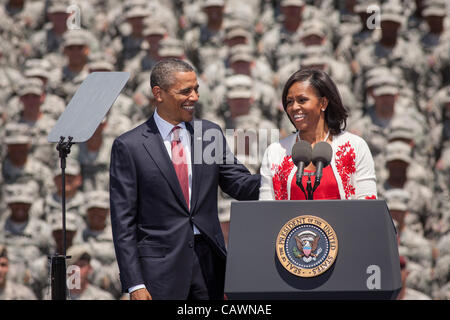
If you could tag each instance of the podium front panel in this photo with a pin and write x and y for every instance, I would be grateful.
(367, 263)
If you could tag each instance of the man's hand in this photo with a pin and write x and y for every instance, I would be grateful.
(140, 294)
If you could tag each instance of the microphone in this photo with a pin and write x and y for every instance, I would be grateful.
(301, 156)
(321, 157)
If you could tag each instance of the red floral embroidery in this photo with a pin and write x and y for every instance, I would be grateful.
(345, 164)
(372, 197)
(280, 178)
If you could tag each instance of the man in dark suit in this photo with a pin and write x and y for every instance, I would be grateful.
(164, 176)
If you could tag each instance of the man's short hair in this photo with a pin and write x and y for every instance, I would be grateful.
(162, 74)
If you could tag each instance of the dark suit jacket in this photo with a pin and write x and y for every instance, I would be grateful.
(151, 223)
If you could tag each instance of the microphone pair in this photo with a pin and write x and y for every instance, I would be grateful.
(303, 154)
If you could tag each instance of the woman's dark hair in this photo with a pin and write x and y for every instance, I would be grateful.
(335, 113)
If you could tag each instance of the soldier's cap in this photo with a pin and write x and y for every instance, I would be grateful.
(72, 168)
(213, 3)
(55, 220)
(239, 93)
(310, 51)
(377, 71)
(97, 199)
(362, 5)
(17, 133)
(295, 3)
(171, 47)
(78, 251)
(314, 60)
(20, 193)
(384, 90)
(238, 32)
(37, 72)
(31, 86)
(312, 27)
(37, 63)
(137, 12)
(101, 65)
(403, 128)
(397, 199)
(382, 79)
(435, 8)
(238, 80)
(241, 57)
(56, 7)
(398, 150)
(241, 48)
(391, 11)
(154, 29)
(75, 38)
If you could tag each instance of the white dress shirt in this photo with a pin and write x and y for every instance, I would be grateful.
(165, 129)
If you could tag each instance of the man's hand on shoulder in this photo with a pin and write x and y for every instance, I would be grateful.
(140, 294)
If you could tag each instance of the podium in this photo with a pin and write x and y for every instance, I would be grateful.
(366, 263)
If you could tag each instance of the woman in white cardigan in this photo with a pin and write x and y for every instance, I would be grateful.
(313, 104)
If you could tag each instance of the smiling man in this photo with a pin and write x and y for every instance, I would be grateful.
(164, 216)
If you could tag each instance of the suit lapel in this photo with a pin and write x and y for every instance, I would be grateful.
(196, 168)
(155, 147)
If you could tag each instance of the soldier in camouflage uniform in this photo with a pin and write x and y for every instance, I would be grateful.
(49, 39)
(94, 156)
(205, 43)
(10, 77)
(393, 51)
(52, 105)
(26, 236)
(414, 247)
(398, 159)
(352, 42)
(131, 42)
(407, 293)
(18, 164)
(98, 236)
(74, 195)
(144, 61)
(10, 290)
(81, 256)
(76, 49)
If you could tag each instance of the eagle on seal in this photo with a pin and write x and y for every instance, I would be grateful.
(307, 243)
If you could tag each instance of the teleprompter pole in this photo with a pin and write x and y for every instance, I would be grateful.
(58, 260)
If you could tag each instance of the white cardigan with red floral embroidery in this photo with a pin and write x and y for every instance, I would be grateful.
(352, 165)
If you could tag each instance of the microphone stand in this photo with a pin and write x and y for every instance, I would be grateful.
(309, 188)
(300, 184)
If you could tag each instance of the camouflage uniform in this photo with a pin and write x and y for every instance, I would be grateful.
(420, 204)
(204, 46)
(26, 240)
(412, 245)
(411, 62)
(53, 200)
(95, 165)
(92, 291)
(33, 169)
(100, 243)
(10, 290)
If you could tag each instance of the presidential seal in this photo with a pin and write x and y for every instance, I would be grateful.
(307, 246)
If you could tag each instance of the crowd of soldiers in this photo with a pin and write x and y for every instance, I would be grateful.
(390, 60)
